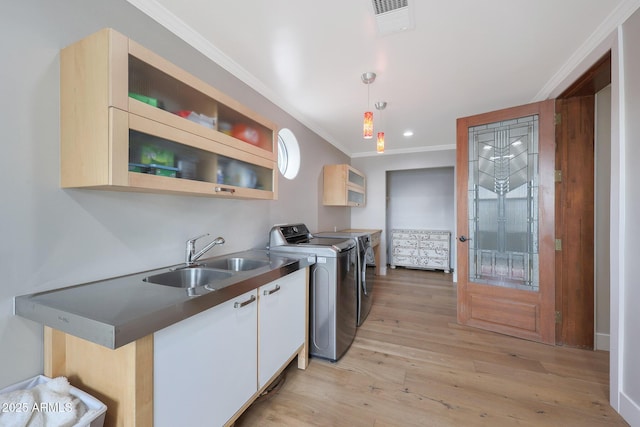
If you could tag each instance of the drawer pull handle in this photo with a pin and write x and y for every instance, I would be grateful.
(272, 291)
(247, 302)
(225, 189)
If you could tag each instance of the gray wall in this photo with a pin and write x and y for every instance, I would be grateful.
(602, 216)
(54, 238)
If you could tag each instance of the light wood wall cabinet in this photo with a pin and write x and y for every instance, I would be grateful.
(428, 249)
(133, 121)
(344, 185)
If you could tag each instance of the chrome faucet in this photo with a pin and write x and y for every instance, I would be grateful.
(191, 256)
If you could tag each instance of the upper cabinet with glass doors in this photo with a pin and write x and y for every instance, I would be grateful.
(344, 185)
(131, 120)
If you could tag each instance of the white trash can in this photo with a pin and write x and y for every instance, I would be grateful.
(17, 404)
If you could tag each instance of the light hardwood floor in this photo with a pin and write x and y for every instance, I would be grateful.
(411, 364)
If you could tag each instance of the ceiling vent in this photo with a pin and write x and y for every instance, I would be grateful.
(392, 16)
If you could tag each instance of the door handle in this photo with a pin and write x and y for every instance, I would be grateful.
(464, 238)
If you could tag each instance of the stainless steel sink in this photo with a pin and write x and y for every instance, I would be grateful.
(188, 277)
(236, 264)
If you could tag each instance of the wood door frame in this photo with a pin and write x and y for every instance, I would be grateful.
(542, 303)
(570, 328)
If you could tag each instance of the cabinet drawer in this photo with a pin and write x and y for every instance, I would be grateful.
(403, 236)
(429, 237)
(405, 243)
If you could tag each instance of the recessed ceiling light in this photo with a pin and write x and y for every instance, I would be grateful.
(408, 133)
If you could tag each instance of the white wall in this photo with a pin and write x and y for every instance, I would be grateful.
(629, 292)
(373, 215)
(52, 237)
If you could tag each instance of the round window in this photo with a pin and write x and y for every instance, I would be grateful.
(288, 154)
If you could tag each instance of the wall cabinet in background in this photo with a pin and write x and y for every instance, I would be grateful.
(344, 185)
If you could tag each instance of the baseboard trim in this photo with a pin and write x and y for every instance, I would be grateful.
(629, 410)
(602, 342)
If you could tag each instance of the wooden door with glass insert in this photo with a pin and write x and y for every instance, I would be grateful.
(505, 221)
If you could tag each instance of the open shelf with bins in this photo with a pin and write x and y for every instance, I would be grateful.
(133, 121)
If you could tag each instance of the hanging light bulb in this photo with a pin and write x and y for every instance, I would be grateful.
(367, 126)
(381, 105)
(380, 142)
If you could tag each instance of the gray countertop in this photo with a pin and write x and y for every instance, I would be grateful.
(117, 311)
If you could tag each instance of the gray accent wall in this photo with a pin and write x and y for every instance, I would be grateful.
(421, 199)
(602, 217)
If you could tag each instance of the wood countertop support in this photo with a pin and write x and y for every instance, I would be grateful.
(122, 378)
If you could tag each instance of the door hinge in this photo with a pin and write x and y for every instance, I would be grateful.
(558, 317)
(558, 176)
(558, 118)
(558, 244)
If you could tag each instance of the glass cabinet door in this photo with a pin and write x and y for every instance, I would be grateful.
(355, 178)
(150, 154)
(159, 89)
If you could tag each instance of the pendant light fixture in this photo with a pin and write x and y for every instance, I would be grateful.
(380, 105)
(367, 127)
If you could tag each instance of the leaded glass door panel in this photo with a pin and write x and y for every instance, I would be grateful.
(505, 221)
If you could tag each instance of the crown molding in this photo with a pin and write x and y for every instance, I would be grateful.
(178, 27)
(171, 22)
(426, 148)
(616, 18)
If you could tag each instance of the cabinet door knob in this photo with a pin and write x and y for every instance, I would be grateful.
(247, 302)
(272, 291)
(464, 238)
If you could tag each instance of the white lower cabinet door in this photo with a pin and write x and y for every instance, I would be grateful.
(281, 325)
(205, 366)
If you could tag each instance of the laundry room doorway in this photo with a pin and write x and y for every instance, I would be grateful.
(421, 200)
